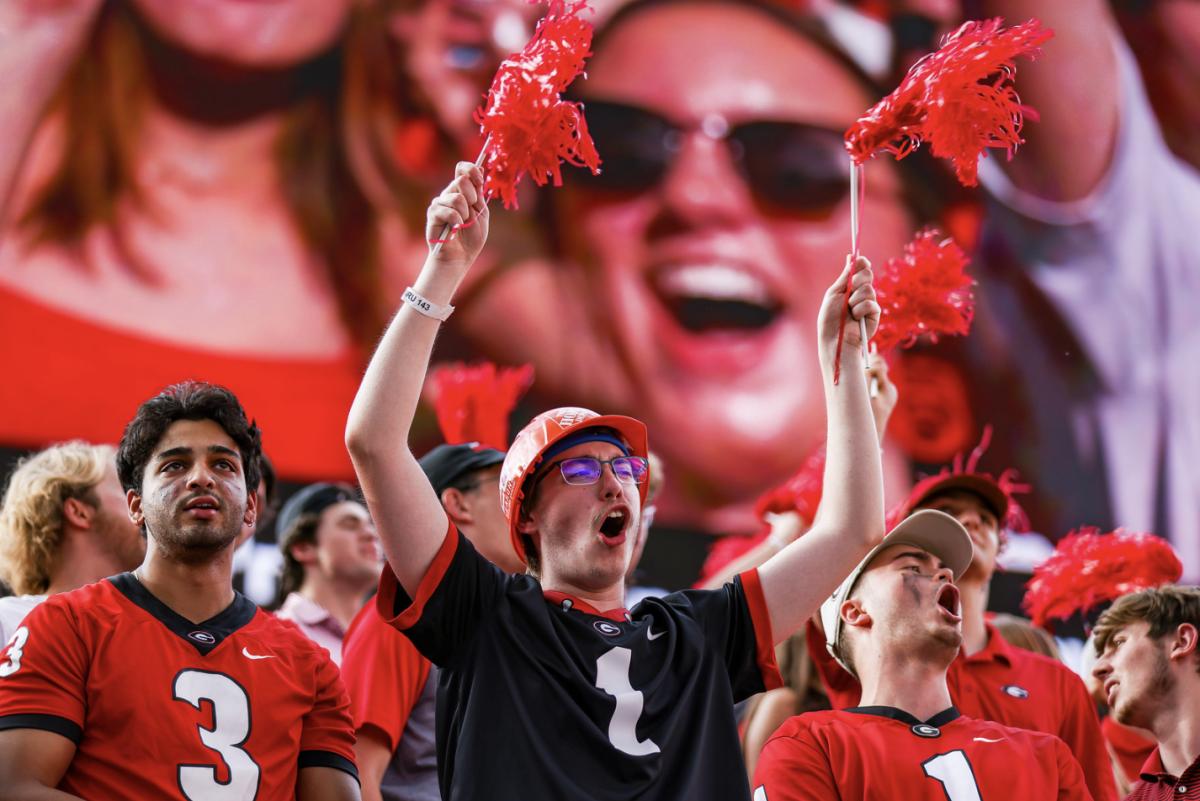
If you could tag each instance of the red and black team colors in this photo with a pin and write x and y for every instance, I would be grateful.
(878, 752)
(612, 705)
(159, 707)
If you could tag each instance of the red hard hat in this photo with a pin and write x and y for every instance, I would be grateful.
(535, 439)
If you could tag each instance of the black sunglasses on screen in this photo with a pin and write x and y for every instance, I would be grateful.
(791, 166)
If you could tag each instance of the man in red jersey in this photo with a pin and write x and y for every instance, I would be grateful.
(991, 679)
(895, 624)
(165, 683)
(1148, 644)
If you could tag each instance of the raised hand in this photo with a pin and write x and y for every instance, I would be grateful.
(862, 306)
(462, 206)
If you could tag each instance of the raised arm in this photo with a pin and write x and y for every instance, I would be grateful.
(850, 519)
(407, 513)
(39, 40)
(1073, 85)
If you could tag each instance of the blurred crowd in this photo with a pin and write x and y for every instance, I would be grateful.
(235, 193)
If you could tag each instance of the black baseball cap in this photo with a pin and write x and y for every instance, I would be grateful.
(445, 464)
(311, 500)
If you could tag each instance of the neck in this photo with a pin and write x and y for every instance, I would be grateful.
(603, 600)
(1177, 727)
(194, 590)
(80, 562)
(341, 600)
(973, 591)
(914, 685)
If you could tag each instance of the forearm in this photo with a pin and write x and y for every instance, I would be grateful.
(1072, 85)
(34, 57)
(852, 490)
(34, 791)
(386, 403)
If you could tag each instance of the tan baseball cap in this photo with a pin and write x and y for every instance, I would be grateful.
(928, 529)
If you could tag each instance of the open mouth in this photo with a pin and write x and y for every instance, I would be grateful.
(612, 527)
(716, 298)
(948, 600)
(202, 504)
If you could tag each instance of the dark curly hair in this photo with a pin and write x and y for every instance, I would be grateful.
(189, 400)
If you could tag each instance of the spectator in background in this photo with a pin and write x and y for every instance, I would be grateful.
(64, 523)
(331, 561)
(990, 679)
(1148, 646)
(894, 625)
(392, 687)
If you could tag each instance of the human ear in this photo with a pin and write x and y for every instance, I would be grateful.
(78, 513)
(1183, 644)
(853, 613)
(134, 501)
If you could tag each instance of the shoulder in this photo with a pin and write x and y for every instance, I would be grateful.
(816, 725)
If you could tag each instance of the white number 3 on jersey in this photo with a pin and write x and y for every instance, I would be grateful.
(16, 649)
(231, 729)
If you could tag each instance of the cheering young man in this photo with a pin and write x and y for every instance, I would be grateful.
(895, 623)
(549, 688)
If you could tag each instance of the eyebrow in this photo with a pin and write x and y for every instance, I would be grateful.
(183, 450)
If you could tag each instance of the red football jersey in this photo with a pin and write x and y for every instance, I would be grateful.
(882, 753)
(1011, 686)
(159, 707)
(384, 674)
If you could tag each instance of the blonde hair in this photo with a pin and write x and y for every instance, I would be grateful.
(31, 517)
(1023, 634)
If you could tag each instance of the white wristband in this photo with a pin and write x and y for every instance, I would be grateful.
(425, 306)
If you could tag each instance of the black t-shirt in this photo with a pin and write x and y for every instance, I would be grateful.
(542, 698)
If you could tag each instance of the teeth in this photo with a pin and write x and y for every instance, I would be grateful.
(715, 282)
(616, 514)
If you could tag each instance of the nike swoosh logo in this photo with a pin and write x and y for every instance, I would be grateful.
(246, 653)
(987, 740)
(650, 635)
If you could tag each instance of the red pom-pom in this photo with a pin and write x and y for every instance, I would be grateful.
(801, 493)
(1088, 568)
(924, 293)
(959, 98)
(530, 128)
(473, 402)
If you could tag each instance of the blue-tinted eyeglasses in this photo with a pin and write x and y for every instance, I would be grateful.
(582, 470)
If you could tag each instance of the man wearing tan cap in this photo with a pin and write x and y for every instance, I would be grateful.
(895, 623)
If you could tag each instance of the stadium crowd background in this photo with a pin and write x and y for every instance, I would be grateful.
(189, 193)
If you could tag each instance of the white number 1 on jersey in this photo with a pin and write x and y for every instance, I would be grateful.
(612, 676)
(954, 772)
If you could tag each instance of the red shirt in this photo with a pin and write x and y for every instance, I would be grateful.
(1158, 785)
(159, 707)
(1011, 686)
(1130, 748)
(384, 674)
(882, 753)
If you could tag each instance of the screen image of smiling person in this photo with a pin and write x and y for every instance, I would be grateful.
(703, 246)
